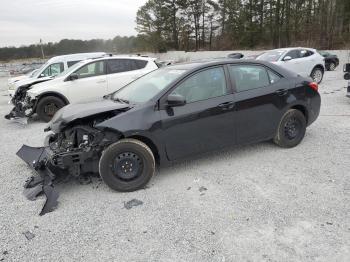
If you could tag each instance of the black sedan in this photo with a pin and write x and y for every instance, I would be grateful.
(173, 113)
(331, 60)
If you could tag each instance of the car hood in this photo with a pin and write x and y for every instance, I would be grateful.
(17, 78)
(73, 112)
(30, 81)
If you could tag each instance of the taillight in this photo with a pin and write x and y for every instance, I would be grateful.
(314, 86)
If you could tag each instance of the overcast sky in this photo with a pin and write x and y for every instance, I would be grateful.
(24, 22)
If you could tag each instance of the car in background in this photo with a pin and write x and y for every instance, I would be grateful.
(86, 81)
(51, 68)
(347, 77)
(331, 60)
(235, 56)
(173, 113)
(306, 62)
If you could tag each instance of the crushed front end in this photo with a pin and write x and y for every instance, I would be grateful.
(73, 152)
(24, 104)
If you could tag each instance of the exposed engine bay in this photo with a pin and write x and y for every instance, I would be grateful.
(24, 105)
(71, 153)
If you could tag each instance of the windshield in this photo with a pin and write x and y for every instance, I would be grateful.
(146, 87)
(39, 70)
(271, 56)
(31, 74)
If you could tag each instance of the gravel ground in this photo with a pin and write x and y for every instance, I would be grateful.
(253, 203)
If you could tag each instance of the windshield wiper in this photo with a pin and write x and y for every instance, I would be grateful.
(121, 100)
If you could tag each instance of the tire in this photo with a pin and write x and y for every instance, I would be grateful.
(48, 106)
(291, 129)
(332, 66)
(127, 165)
(317, 75)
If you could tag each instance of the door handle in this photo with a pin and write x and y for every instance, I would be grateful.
(101, 81)
(227, 105)
(281, 92)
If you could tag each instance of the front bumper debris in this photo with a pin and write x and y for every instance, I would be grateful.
(38, 160)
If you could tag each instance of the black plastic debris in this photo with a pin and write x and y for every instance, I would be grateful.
(132, 203)
(42, 183)
(202, 189)
(29, 235)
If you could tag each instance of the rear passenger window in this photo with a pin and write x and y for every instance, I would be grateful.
(305, 53)
(247, 77)
(124, 65)
(273, 77)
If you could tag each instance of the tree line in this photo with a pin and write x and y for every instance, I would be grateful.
(118, 44)
(193, 25)
(242, 24)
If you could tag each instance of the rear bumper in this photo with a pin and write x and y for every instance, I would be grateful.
(314, 106)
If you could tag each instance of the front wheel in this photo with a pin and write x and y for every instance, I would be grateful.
(317, 75)
(291, 129)
(127, 165)
(48, 106)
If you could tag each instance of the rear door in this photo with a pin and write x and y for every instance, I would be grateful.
(123, 71)
(308, 61)
(91, 83)
(260, 94)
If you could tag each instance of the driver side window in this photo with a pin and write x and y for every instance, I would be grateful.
(53, 70)
(294, 54)
(92, 69)
(204, 85)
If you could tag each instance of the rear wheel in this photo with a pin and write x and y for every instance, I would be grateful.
(317, 75)
(291, 129)
(48, 106)
(127, 165)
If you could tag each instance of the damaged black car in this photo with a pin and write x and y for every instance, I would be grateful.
(173, 113)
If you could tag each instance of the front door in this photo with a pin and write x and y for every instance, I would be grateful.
(91, 84)
(260, 94)
(295, 64)
(206, 122)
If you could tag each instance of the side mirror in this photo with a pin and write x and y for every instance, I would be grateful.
(73, 77)
(176, 100)
(42, 75)
(287, 58)
(347, 76)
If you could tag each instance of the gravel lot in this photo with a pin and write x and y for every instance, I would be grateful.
(253, 203)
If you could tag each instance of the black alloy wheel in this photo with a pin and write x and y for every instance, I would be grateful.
(127, 165)
(291, 129)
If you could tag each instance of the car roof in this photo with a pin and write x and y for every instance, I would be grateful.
(198, 65)
(79, 56)
(291, 48)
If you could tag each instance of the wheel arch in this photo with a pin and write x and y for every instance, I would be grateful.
(51, 93)
(302, 109)
(318, 66)
(150, 144)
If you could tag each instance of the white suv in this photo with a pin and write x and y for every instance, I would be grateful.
(51, 68)
(306, 62)
(85, 81)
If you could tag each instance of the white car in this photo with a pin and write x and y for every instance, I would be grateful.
(306, 62)
(86, 81)
(52, 67)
